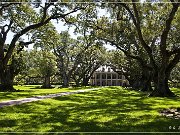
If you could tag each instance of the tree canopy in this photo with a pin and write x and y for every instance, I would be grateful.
(146, 35)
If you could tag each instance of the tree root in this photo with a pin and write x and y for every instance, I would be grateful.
(157, 93)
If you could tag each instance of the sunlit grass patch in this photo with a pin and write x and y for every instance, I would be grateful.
(34, 90)
(112, 109)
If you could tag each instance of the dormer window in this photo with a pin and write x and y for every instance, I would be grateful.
(109, 69)
(103, 69)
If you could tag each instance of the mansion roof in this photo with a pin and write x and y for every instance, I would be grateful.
(104, 69)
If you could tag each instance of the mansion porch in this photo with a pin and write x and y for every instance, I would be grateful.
(107, 77)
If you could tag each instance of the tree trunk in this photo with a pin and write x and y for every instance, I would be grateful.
(6, 80)
(146, 81)
(161, 87)
(65, 81)
(77, 83)
(131, 82)
(142, 84)
(146, 86)
(47, 83)
(136, 84)
(85, 81)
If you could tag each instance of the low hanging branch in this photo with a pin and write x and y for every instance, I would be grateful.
(166, 30)
(136, 57)
(3, 6)
(136, 21)
(35, 26)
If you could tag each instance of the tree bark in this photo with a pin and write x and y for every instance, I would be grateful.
(136, 85)
(146, 80)
(47, 83)
(161, 87)
(146, 86)
(85, 81)
(77, 83)
(6, 80)
(65, 81)
(142, 83)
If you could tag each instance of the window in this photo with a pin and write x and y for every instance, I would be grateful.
(98, 83)
(119, 76)
(103, 76)
(113, 83)
(97, 76)
(103, 83)
(114, 76)
(108, 76)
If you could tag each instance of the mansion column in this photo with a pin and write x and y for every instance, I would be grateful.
(106, 79)
(100, 79)
(95, 81)
(111, 79)
(116, 79)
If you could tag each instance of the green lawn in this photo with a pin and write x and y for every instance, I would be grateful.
(33, 90)
(111, 109)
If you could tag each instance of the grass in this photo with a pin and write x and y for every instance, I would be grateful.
(33, 90)
(111, 109)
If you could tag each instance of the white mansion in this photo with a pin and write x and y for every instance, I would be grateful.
(105, 76)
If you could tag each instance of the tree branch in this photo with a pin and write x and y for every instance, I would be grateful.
(175, 3)
(175, 51)
(173, 62)
(18, 35)
(45, 11)
(33, 26)
(138, 58)
(136, 21)
(167, 28)
(130, 12)
(3, 6)
(6, 32)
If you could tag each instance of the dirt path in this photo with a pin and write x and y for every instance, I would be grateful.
(26, 100)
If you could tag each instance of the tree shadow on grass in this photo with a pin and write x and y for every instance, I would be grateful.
(40, 87)
(107, 110)
(7, 123)
(10, 96)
